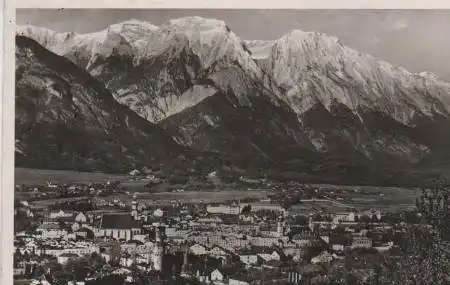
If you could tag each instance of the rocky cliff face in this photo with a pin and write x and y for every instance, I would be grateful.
(154, 70)
(384, 107)
(67, 119)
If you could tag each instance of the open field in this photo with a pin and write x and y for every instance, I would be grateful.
(196, 196)
(359, 197)
(166, 197)
(41, 176)
(41, 204)
(389, 199)
(384, 198)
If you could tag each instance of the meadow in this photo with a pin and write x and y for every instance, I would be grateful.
(42, 176)
(360, 197)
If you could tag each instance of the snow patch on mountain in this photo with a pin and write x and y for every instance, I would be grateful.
(188, 99)
(259, 48)
(159, 108)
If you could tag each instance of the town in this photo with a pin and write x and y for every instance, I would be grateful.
(99, 233)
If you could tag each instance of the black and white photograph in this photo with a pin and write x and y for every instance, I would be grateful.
(231, 147)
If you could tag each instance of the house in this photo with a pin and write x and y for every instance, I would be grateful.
(361, 242)
(218, 251)
(51, 230)
(121, 271)
(126, 260)
(213, 177)
(74, 188)
(210, 273)
(136, 246)
(344, 217)
(81, 218)
(224, 209)
(304, 240)
(176, 232)
(40, 282)
(384, 247)
(119, 226)
(82, 249)
(158, 213)
(198, 249)
(325, 238)
(28, 213)
(52, 185)
(265, 256)
(323, 257)
(204, 274)
(249, 259)
(75, 226)
(275, 255)
(372, 214)
(267, 241)
(65, 257)
(211, 221)
(240, 279)
(75, 283)
(134, 172)
(340, 242)
(258, 206)
(60, 214)
(216, 275)
(84, 233)
(297, 253)
(337, 247)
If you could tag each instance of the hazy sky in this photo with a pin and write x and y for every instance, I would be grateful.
(418, 40)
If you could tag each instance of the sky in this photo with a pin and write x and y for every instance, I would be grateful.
(418, 40)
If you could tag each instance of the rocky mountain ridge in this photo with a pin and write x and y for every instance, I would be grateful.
(305, 93)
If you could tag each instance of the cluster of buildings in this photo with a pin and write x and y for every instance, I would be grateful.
(222, 244)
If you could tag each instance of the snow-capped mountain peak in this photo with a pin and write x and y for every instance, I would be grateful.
(133, 25)
(315, 68)
(309, 67)
(52, 40)
(209, 39)
(128, 37)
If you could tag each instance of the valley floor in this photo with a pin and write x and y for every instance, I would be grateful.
(389, 199)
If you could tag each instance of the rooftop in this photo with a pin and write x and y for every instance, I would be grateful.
(118, 221)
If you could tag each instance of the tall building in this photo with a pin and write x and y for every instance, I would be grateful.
(158, 250)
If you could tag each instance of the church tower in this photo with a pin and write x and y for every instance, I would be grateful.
(310, 223)
(280, 227)
(185, 261)
(134, 207)
(158, 250)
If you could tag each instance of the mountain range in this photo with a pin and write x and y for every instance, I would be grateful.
(304, 106)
